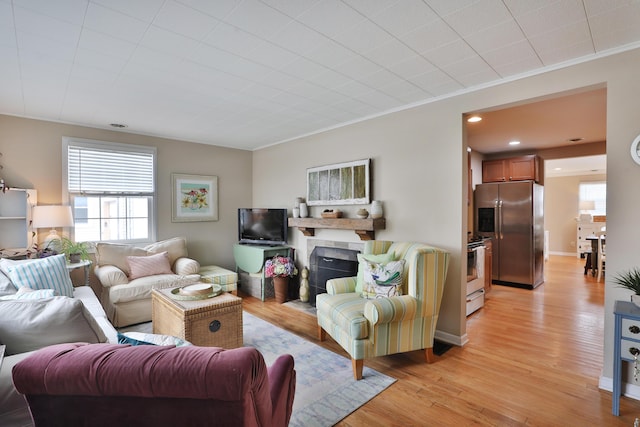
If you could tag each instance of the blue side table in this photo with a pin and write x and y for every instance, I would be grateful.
(626, 344)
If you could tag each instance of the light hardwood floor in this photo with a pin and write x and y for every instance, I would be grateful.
(534, 358)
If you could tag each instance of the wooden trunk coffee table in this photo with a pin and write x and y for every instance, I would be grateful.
(211, 322)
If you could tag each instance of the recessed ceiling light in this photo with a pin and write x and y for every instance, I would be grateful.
(514, 142)
(557, 169)
(117, 125)
(474, 119)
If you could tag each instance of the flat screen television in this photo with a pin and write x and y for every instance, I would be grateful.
(262, 226)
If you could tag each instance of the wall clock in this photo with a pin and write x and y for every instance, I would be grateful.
(635, 150)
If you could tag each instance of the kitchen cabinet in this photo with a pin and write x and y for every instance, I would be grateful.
(16, 232)
(522, 168)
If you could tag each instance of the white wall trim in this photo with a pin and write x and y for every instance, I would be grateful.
(452, 339)
(628, 390)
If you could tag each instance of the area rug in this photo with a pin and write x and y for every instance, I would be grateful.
(325, 389)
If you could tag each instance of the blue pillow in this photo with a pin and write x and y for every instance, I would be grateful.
(44, 273)
(123, 339)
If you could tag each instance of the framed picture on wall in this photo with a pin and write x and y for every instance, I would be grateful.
(194, 198)
(339, 184)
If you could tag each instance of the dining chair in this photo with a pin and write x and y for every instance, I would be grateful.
(601, 235)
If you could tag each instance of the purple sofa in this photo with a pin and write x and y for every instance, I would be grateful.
(110, 384)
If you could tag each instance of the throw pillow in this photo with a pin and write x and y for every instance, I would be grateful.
(383, 280)
(27, 325)
(116, 254)
(152, 339)
(142, 266)
(362, 259)
(43, 273)
(6, 287)
(123, 339)
(176, 246)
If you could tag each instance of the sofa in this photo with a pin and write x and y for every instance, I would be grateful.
(128, 274)
(29, 323)
(109, 385)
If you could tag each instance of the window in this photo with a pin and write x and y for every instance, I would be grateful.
(596, 192)
(111, 189)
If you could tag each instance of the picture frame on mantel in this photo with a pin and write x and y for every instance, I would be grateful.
(194, 198)
(339, 184)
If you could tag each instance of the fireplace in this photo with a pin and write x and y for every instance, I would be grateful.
(329, 263)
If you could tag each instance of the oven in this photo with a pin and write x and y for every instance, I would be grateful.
(475, 276)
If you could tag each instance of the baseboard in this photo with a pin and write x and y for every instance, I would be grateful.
(628, 390)
(573, 254)
(452, 339)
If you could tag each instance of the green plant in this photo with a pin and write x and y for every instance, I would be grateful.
(69, 247)
(629, 280)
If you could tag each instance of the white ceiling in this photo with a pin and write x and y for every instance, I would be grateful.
(250, 73)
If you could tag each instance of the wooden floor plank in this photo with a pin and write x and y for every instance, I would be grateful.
(534, 358)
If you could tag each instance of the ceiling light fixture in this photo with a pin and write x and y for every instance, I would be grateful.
(117, 125)
(474, 119)
(514, 142)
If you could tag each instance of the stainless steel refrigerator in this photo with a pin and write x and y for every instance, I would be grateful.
(511, 214)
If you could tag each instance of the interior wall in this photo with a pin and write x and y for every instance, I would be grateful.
(32, 158)
(417, 172)
(561, 211)
(419, 160)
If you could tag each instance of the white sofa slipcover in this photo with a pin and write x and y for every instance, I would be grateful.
(128, 301)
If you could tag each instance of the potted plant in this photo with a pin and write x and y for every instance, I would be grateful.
(75, 251)
(630, 280)
(280, 268)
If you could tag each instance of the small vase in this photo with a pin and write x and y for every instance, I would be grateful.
(304, 211)
(281, 287)
(376, 209)
(296, 212)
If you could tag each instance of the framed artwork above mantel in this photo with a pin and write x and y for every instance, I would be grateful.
(339, 184)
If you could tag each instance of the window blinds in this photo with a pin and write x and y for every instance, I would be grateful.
(97, 170)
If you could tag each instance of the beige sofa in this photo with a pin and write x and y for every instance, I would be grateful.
(126, 294)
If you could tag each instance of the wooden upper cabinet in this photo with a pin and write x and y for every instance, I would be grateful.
(523, 168)
(494, 171)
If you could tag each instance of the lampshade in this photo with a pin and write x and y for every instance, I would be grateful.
(52, 217)
(587, 205)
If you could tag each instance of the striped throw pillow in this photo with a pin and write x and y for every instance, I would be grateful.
(150, 265)
(44, 273)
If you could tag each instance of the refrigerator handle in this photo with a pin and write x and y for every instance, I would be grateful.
(496, 220)
(500, 219)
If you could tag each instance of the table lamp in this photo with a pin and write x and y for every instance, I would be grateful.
(52, 216)
(586, 205)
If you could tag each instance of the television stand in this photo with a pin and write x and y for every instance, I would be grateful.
(250, 259)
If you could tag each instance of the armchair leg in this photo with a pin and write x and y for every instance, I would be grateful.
(322, 334)
(357, 368)
(428, 352)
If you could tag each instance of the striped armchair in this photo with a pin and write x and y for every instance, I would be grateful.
(368, 328)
